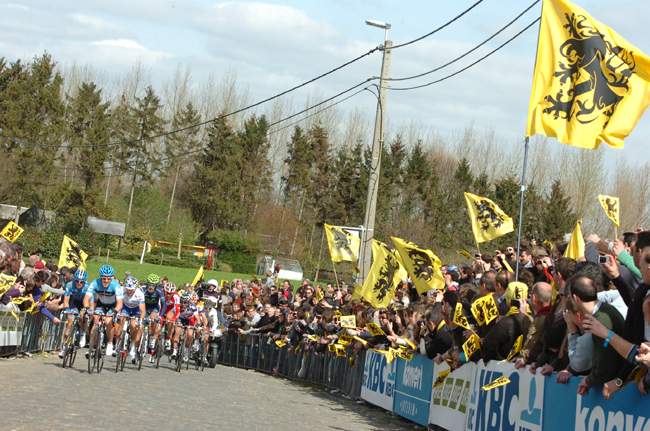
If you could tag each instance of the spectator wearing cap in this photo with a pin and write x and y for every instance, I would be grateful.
(39, 266)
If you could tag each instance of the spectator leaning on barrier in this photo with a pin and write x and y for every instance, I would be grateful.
(540, 302)
(604, 358)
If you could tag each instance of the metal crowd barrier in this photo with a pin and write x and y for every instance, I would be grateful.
(260, 353)
(31, 333)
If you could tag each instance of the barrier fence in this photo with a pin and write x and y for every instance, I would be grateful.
(419, 390)
(301, 364)
(31, 333)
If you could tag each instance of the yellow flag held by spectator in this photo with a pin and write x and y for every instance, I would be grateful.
(612, 208)
(343, 246)
(590, 84)
(71, 255)
(385, 274)
(488, 221)
(421, 264)
(576, 247)
(199, 276)
(11, 232)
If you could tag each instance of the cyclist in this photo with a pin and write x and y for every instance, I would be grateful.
(75, 291)
(171, 311)
(212, 320)
(105, 295)
(188, 317)
(133, 301)
(154, 301)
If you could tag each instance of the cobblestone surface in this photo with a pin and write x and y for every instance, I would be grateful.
(36, 393)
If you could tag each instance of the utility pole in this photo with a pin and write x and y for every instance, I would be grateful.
(375, 163)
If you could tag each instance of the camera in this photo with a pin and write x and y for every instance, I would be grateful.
(603, 259)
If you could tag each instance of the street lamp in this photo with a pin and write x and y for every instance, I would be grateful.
(375, 161)
(379, 24)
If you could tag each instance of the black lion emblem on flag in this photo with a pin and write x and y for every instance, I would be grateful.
(597, 73)
(386, 276)
(422, 264)
(342, 242)
(488, 216)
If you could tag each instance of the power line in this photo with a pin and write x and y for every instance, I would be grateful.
(471, 65)
(439, 28)
(468, 52)
(192, 126)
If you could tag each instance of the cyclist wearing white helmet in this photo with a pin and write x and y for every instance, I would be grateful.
(133, 301)
(171, 311)
(155, 302)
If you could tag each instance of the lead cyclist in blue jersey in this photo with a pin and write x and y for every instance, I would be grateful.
(73, 301)
(105, 296)
(154, 300)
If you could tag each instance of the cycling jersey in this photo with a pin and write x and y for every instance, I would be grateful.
(155, 299)
(173, 304)
(186, 314)
(74, 292)
(105, 295)
(133, 301)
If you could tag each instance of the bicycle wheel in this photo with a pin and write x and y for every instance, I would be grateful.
(181, 352)
(119, 349)
(99, 353)
(202, 356)
(92, 349)
(142, 350)
(127, 342)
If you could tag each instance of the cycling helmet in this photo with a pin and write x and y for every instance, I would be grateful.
(81, 275)
(170, 288)
(106, 271)
(130, 283)
(185, 297)
(153, 279)
(194, 297)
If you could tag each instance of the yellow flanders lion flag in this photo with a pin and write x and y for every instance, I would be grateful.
(590, 84)
(612, 208)
(343, 246)
(385, 274)
(12, 231)
(421, 264)
(71, 255)
(488, 221)
(576, 248)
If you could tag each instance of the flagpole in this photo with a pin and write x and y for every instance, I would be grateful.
(521, 208)
(335, 276)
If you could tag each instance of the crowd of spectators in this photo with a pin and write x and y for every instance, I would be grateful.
(586, 319)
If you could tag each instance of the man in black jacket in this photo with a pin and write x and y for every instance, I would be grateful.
(438, 340)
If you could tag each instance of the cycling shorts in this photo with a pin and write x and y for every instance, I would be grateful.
(76, 306)
(186, 322)
(153, 310)
(104, 308)
(130, 312)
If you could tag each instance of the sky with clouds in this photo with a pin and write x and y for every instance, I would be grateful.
(276, 45)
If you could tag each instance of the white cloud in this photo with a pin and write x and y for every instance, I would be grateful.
(122, 43)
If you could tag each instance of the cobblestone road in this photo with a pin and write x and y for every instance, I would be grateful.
(36, 393)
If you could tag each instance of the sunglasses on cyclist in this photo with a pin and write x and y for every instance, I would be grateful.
(107, 278)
